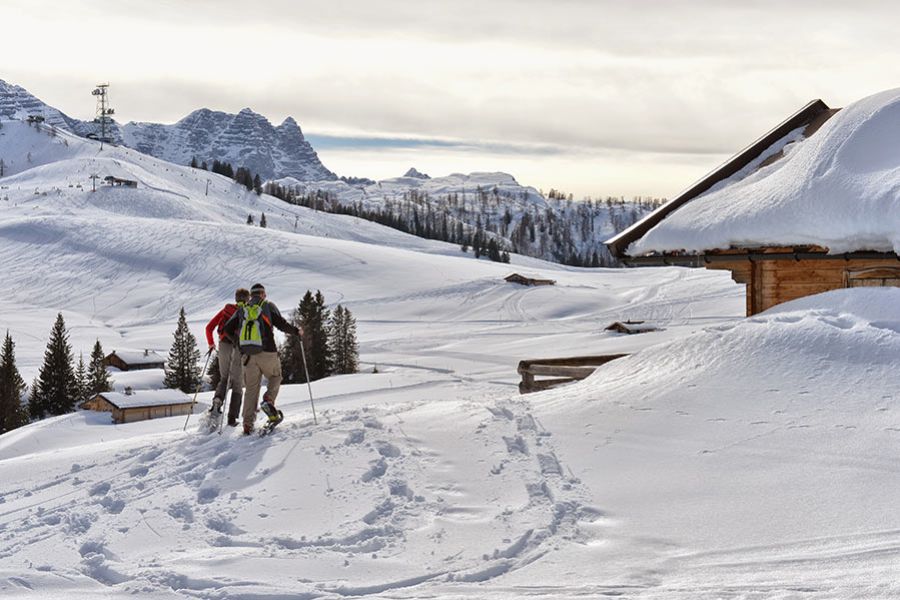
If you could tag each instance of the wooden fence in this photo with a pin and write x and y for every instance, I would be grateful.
(562, 370)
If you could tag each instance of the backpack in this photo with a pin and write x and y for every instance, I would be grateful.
(250, 340)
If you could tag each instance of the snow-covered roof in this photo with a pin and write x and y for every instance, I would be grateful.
(838, 189)
(141, 398)
(139, 357)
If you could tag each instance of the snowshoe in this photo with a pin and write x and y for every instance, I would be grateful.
(274, 415)
(215, 415)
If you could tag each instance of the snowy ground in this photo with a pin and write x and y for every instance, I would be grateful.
(727, 457)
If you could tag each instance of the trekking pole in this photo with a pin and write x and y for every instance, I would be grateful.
(308, 384)
(199, 385)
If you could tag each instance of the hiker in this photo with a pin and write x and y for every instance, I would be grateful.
(253, 326)
(229, 358)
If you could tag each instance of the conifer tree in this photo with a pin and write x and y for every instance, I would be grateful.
(82, 381)
(182, 371)
(318, 350)
(313, 317)
(344, 347)
(56, 389)
(12, 386)
(290, 351)
(262, 220)
(98, 376)
(257, 185)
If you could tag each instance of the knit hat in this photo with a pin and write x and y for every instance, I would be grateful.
(257, 288)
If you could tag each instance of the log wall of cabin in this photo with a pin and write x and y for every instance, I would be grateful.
(772, 282)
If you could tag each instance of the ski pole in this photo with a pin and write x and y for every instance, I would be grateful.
(199, 385)
(308, 384)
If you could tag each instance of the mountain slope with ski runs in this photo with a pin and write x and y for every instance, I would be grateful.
(724, 457)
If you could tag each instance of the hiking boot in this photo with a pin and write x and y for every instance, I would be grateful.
(216, 405)
(248, 428)
(232, 422)
(269, 408)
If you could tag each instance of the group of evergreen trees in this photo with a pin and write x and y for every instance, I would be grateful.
(60, 385)
(494, 222)
(241, 175)
(329, 340)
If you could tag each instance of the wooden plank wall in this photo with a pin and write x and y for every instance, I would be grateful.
(772, 282)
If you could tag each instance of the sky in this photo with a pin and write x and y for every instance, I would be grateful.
(592, 97)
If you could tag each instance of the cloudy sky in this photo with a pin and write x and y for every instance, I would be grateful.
(594, 97)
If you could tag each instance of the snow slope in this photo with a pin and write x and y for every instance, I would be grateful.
(839, 189)
(726, 457)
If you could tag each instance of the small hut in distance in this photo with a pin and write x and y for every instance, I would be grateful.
(809, 207)
(134, 360)
(522, 280)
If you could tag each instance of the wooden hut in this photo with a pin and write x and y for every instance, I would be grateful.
(523, 280)
(140, 405)
(774, 272)
(134, 360)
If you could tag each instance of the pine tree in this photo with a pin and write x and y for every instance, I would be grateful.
(12, 386)
(319, 351)
(344, 347)
(262, 220)
(290, 351)
(98, 376)
(82, 381)
(55, 390)
(257, 184)
(182, 371)
(249, 219)
(313, 317)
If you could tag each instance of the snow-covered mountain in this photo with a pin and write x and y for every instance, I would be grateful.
(246, 139)
(17, 103)
(455, 207)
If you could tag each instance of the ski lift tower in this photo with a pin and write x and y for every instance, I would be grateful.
(104, 112)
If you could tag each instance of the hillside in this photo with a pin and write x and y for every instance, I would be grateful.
(453, 208)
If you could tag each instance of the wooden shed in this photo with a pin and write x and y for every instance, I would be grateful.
(140, 405)
(134, 360)
(773, 272)
(523, 280)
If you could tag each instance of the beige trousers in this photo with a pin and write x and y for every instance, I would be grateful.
(255, 366)
(230, 366)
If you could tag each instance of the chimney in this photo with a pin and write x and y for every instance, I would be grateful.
(128, 390)
(146, 352)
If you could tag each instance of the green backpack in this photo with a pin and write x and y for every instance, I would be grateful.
(251, 334)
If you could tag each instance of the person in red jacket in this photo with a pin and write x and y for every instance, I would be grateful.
(229, 358)
(254, 327)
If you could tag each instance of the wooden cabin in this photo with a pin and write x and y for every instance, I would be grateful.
(774, 273)
(140, 405)
(522, 280)
(632, 327)
(118, 182)
(134, 360)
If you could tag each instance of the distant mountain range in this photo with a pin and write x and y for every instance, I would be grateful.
(246, 139)
(458, 208)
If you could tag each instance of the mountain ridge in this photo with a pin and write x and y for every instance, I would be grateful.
(246, 139)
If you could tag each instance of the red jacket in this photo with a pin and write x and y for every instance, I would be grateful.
(218, 322)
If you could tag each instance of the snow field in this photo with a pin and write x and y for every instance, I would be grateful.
(726, 457)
